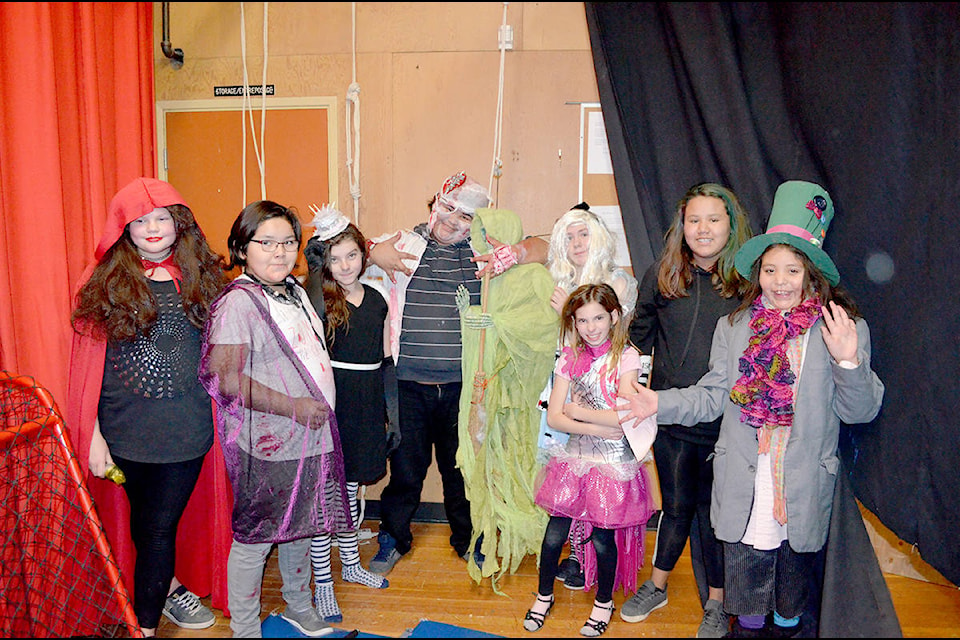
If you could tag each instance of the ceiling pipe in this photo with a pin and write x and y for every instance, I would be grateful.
(175, 55)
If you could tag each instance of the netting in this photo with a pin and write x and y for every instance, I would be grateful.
(58, 577)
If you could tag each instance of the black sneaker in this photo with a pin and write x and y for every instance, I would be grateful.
(575, 582)
(739, 631)
(568, 567)
(478, 556)
(776, 631)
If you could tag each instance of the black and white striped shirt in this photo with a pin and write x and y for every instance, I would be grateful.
(430, 332)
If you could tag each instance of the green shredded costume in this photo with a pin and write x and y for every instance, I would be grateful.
(500, 465)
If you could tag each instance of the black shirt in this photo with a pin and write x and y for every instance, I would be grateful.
(681, 330)
(152, 407)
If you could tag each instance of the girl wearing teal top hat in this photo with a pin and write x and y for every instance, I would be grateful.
(786, 367)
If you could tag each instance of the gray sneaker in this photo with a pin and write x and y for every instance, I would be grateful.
(383, 562)
(307, 622)
(715, 623)
(646, 600)
(185, 610)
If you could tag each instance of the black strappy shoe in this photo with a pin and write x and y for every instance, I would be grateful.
(534, 620)
(593, 627)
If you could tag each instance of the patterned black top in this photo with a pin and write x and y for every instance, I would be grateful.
(152, 407)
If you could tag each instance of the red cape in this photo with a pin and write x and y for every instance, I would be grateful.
(205, 532)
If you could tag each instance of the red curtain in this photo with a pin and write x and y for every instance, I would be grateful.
(77, 109)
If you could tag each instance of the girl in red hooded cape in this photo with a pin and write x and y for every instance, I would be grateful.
(134, 401)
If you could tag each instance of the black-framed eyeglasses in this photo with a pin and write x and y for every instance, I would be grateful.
(271, 245)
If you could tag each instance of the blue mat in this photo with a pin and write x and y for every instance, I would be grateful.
(276, 627)
(430, 629)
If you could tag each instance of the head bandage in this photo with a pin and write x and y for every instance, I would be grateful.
(459, 192)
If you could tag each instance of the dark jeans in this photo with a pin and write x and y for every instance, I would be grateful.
(158, 494)
(686, 481)
(604, 543)
(429, 415)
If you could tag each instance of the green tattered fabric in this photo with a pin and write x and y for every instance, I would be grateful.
(500, 469)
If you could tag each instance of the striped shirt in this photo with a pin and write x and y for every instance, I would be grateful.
(430, 333)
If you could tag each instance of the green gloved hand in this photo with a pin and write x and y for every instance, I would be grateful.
(478, 321)
(463, 299)
(471, 320)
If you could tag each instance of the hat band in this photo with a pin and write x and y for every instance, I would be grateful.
(794, 230)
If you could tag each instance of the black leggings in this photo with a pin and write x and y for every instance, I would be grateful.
(558, 529)
(158, 494)
(686, 480)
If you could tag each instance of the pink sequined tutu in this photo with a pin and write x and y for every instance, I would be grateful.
(606, 495)
(611, 496)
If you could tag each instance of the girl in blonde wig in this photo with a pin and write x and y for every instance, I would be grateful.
(583, 251)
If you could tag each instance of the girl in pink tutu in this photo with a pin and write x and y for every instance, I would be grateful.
(595, 477)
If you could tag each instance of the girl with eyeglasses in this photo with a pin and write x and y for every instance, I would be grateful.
(265, 363)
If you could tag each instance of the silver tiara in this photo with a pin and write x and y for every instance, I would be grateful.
(328, 221)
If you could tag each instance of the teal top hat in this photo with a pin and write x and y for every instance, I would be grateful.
(801, 215)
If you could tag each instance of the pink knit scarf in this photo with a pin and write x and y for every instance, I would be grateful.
(765, 388)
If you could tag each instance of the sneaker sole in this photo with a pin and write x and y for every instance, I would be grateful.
(723, 634)
(189, 625)
(641, 617)
(313, 634)
(382, 569)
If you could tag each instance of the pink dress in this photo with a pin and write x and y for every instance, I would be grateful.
(599, 482)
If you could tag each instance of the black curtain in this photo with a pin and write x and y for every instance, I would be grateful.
(864, 99)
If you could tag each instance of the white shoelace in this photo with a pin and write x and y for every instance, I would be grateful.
(189, 601)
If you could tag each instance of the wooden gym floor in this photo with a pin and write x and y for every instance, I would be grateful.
(431, 583)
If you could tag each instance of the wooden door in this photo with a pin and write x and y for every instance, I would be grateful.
(201, 155)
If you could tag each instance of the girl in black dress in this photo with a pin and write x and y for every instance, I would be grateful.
(356, 321)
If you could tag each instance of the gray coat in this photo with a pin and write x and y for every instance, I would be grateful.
(827, 394)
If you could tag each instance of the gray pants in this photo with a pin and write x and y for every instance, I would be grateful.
(245, 580)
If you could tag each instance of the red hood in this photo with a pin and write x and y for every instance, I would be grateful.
(135, 200)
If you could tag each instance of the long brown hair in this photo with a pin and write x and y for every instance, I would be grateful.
(815, 284)
(606, 297)
(116, 303)
(317, 253)
(675, 273)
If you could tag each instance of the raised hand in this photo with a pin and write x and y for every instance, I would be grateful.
(386, 256)
(839, 332)
(558, 298)
(497, 261)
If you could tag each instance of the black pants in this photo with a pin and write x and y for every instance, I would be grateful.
(686, 480)
(759, 582)
(429, 416)
(158, 494)
(604, 543)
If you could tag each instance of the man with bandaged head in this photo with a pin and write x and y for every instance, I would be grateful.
(419, 272)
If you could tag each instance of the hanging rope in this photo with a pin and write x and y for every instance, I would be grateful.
(247, 108)
(353, 129)
(497, 169)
